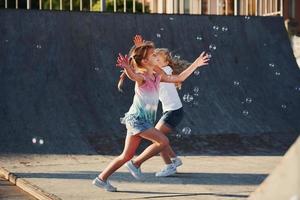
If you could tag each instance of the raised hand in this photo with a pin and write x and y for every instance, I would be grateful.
(138, 40)
(123, 61)
(201, 60)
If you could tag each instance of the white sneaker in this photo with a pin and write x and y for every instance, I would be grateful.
(135, 172)
(176, 161)
(104, 185)
(167, 171)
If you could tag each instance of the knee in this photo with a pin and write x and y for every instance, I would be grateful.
(164, 142)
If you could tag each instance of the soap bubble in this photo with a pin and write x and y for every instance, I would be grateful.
(199, 38)
(188, 98)
(212, 47)
(272, 65)
(186, 131)
(216, 28)
(224, 28)
(209, 55)
(177, 56)
(248, 100)
(245, 112)
(236, 83)
(283, 106)
(41, 141)
(34, 140)
(196, 72)
(196, 89)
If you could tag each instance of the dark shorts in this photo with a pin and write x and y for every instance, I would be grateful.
(172, 118)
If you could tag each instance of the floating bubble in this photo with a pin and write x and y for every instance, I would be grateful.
(97, 68)
(171, 18)
(209, 55)
(177, 56)
(283, 106)
(196, 103)
(196, 89)
(188, 98)
(272, 65)
(196, 94)
(212, 47)
(199, 38)
(41, 141)
(245, 112)
(196, 72)
(216, 35)
(6, 40)
(248, 100)
(247, 17)
(38, 46)
(216, 27)
(158, 35)
(162, 29)
(277, 73)
(34, 140)
(236, 83)
(186, 130)
(178, 136)
(224, 28)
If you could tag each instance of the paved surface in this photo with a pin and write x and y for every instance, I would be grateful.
(11, 192)
(200, 177)
(58, 78)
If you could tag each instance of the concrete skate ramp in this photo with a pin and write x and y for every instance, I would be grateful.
(58, 77)
(284, 181)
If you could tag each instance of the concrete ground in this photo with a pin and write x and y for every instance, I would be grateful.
(200, 177)
(12, 192)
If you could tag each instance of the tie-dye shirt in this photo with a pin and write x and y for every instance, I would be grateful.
(145, 100)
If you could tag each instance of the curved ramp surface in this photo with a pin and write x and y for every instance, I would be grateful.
(58, 77)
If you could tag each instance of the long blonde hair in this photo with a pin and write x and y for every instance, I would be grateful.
(178, 65)
(136, 55)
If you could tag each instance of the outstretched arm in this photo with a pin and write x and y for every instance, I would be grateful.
(202, 60)
(123, 62)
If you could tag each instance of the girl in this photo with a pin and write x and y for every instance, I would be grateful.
(140, 118)
(171, 105)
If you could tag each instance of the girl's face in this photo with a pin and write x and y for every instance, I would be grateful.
(160, 60)
(150, 60)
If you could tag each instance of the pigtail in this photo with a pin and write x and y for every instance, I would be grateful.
(121, 81)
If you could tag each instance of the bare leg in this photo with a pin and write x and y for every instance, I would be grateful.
(131, 144)
(168, 152)
(160, 141)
